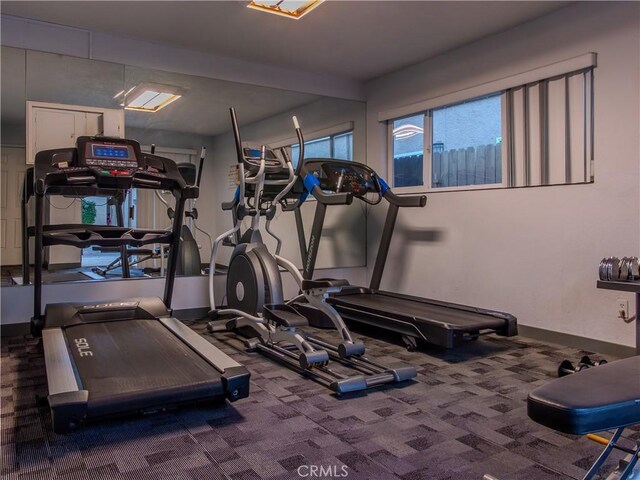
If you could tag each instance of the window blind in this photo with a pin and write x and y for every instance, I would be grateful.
(550, 131)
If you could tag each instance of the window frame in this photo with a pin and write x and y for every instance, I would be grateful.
(586, 63)
(427, 148)
(511, 164)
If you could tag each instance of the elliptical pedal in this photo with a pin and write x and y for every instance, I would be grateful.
(283, 315)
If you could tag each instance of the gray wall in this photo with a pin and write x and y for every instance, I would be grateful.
(13, 135)
(535, 251)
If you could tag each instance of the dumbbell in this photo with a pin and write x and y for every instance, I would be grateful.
(567, 368)
(602, 269)
(629, 268)
(612, 268)
(609, 269)
(590, 363)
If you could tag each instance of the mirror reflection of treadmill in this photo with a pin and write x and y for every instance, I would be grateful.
(444, 324)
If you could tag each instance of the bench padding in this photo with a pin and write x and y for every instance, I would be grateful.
(600, 398)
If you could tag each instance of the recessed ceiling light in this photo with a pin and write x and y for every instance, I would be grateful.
(286, 8)
(149, 97)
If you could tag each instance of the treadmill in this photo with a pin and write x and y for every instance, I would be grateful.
(123, 356)
(416, 319)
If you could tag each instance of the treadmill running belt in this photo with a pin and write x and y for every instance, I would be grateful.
(125, 363)
(420, 311)
(57, 277)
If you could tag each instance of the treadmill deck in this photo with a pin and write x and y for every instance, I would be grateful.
(131, 360)
(130, 356)
(439, 323)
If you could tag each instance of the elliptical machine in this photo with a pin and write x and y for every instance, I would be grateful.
(189, 263)
(254, 286)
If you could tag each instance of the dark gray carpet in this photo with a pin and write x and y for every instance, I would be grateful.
(463, 417)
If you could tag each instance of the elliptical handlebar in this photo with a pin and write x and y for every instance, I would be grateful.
(203, 153)
(293, 173)
(259, 176)
(296, 125)
(236, 134)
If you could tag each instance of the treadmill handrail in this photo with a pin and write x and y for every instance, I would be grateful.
(214, 356)
(343, 198)
(58, 360)
(405, 200)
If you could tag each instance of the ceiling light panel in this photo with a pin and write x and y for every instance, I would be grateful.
(288, 8)
(140, 100)
(148, 97)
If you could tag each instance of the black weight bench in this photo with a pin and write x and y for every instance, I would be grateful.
(598, 399)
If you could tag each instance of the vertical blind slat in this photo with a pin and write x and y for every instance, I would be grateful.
(551, 130)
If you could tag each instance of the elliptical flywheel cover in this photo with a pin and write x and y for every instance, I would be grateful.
(245, 284)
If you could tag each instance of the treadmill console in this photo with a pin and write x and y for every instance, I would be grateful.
(99, 163)
(343, 176)
(109, 155)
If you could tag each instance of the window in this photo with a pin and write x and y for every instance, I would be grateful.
(343, 146)
(338, 146)
(534, 134)
(467, 143)
(408, 151)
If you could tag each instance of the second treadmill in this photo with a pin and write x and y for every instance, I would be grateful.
(414, 318)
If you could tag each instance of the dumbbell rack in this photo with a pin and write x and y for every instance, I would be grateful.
(630, 287)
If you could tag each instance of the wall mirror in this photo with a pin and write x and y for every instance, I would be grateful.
(48, 100)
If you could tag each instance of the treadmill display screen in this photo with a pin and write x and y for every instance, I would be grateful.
(110, 155)
(110, 151)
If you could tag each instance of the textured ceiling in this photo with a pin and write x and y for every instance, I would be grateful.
(352, 39)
